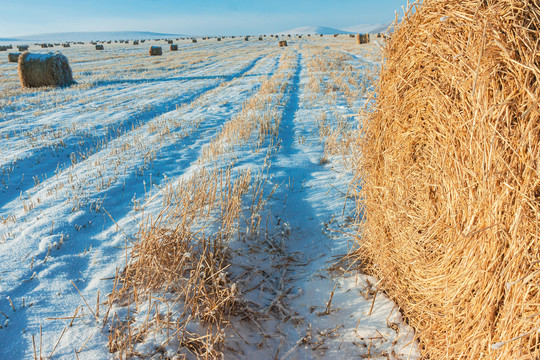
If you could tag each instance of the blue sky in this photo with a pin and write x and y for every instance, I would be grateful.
(24, 17)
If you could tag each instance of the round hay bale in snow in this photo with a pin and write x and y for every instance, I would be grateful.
(135, 42)
(174, 47)
(44, 46)
(22, 48)
(246, 38)
(66, 45)
(13, 57)
(99, 47)
(362, 39)
(282, 43)
(449, 169)
(260, 38)
(155, 50)
(218, 39)
(194, 40)
(51, 69)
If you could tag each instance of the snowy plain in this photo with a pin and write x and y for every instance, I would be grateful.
(82, 168)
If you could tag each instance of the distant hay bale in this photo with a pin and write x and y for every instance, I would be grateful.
(174, 47)
(169, 41)
(155, 50)
(3, 48)
(23, 48)
(99, 47)
(44, 46)
(36, 70)
(362, 39)
(194, 40)
(13, 57)
(66, 45)
(260, 38)
(449, 166)
(246, 38)
(135, 42)
(335, 35)
(378, 35)
(282, 43)
(218, 39)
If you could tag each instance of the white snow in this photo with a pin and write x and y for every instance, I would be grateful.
(78, 165)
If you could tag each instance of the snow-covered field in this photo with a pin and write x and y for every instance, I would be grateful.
(240, 143)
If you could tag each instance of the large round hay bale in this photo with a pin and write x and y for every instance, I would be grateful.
(99, 47)
(174, 47)
(450, 177)
(37, 70)
(13, 57)
(155, 50)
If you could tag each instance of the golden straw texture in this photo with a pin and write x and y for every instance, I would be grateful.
(449, 177)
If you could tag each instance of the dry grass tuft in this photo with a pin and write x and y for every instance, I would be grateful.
(450, 179)
(179, 268)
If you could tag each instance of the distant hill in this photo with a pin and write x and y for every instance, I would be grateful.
(356, 29)
(368, 28)
(89, 36)
(313, 30)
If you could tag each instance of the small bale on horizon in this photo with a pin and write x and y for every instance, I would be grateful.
(282, 43)
(99, 47)
(155, 51)
(362, 39)
(13, 57)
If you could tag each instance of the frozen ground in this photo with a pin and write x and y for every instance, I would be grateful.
(81, 168)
